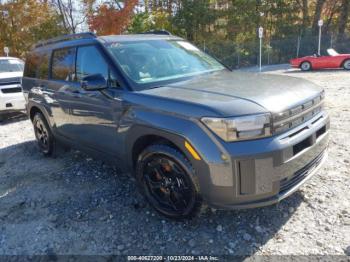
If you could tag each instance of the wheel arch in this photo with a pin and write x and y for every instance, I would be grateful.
(343, 62)
(141, 137)
(33, 110)
(36, 108)
(146, 140)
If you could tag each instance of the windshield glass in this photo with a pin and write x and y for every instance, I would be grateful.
(151, 61)
(332, 52)
(11, 65)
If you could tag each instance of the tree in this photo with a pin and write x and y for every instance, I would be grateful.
(110, 18)
(144, 22)
(193, 18)
(343, 19)
(71, 17)
(28, 22)
(303, 5)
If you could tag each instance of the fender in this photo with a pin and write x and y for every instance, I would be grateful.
(47, 113)
(178, 130)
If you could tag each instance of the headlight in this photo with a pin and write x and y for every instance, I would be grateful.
(240, 128)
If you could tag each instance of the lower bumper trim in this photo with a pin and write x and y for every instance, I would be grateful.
(299, 175)
(302, 176)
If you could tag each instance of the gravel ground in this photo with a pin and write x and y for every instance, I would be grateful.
(73, 204)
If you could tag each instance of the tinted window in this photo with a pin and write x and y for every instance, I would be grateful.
(31, 66)
(90, 61)
(43, 70)
(63, 64)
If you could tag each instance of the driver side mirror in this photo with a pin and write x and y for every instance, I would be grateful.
(94, 82)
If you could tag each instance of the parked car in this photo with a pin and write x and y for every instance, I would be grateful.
(11, 96)
(333, 60)
(187, 128)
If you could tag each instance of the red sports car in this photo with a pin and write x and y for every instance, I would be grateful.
(333, 60)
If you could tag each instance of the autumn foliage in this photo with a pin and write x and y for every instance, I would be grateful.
(26, 22)
(109, 20)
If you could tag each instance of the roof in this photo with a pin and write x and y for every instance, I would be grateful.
(81, 38)
(137, 37)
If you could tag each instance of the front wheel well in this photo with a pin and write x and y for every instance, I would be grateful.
(147, 140)
(346, 59)
(33, 111)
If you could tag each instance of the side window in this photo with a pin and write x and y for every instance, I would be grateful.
(43, 70)
(31, 65)
(63, 64)
(90, 61)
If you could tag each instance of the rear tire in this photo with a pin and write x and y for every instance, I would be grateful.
(43, 134)
(305, 66)
(346, 64)
(166, 178)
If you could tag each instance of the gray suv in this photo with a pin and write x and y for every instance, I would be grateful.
(189, 130)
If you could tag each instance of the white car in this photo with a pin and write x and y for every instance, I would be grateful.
(11, 95)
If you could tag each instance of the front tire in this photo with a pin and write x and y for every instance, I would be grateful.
(305, 66)
(346, 64)
(43, 134)
(166, 179)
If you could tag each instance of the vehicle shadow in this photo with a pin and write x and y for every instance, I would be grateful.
(12, 118)
(102, 211)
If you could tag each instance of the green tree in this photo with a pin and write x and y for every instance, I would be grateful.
(144, 22)
(193, 19)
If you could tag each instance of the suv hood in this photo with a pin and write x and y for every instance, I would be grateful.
(228, 92)
(5, 75)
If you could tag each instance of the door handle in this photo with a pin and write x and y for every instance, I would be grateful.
(75, 93)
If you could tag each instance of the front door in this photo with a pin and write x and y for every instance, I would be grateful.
(90, 118)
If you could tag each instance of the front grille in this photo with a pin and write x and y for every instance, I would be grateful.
(10, 81)
(295, 116)
(298, 176)
(11, 90)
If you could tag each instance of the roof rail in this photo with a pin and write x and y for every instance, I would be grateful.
(58, 39)
(157, 32)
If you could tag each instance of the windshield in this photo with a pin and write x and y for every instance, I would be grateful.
(10, 65)
(332, 52)
(151, 61)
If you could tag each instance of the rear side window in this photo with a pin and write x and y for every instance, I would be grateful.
(31, 66)
(43, 68)
(63, 64)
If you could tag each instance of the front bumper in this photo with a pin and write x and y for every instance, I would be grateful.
(294, 65)
(264, 171)
(10, 102)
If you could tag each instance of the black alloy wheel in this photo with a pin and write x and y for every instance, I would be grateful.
(166, 179)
